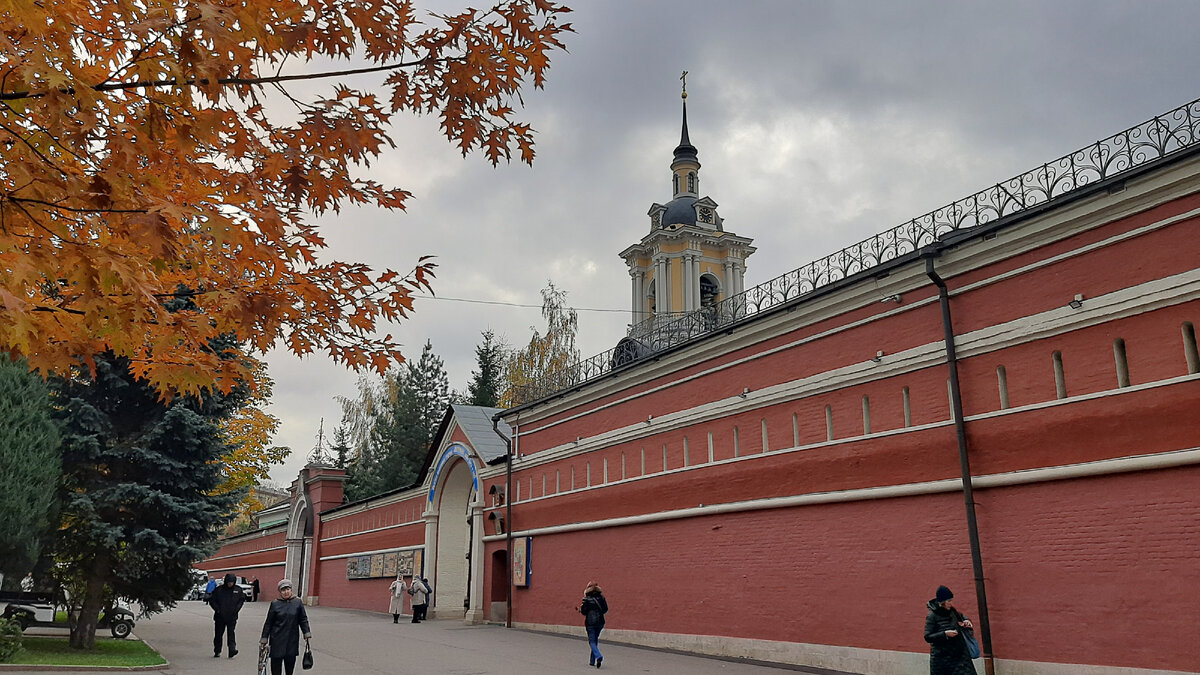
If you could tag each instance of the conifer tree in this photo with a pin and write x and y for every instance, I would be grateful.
(487, 380)
(29, 466)
(139, 493)
(340, 447)
(404, 414)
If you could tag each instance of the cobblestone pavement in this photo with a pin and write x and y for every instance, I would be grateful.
(350, 642)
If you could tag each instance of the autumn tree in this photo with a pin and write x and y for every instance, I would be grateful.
(546, 360)
(144, 155)
(140, 503)
(29, 466)
(248, 432)
(487, 380)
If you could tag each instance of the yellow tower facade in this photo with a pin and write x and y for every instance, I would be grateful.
(688, 260)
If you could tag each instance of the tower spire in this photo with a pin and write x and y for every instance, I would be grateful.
(685, 151)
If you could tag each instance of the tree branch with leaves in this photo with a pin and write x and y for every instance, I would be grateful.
(139, 154)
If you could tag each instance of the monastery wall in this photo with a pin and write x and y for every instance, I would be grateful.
(793, 493)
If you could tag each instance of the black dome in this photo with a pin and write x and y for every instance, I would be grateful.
(680, 211)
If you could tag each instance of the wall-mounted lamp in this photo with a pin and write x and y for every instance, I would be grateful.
(499, 520)
(892, 298)
(878, 356)
(497, 493)
(648, 418)
(1077, 302)
(745, 392)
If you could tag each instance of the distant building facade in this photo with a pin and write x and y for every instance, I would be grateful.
(1000, 396)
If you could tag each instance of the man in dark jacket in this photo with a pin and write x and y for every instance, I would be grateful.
(226, 601)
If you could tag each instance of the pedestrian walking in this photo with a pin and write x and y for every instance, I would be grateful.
(944, 631)
(226, 601)
(254, 590)
(396, 604)
(593, 607)
(286, 619)
(209, 588)
(420, 598)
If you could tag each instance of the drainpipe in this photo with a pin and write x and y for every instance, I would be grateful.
(507, 519)
(964, 462)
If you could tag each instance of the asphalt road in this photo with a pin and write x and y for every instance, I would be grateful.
(350, 642)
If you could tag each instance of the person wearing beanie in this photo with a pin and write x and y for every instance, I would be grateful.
(226, 601)
(944, 631)
(286, 619)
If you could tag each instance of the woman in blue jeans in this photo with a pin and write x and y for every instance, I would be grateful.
(594, 607)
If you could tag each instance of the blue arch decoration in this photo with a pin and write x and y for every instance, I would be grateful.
(453, 450)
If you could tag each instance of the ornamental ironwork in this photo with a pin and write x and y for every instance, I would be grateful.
(1155, 139)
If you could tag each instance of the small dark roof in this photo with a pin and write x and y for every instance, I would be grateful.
(476, 423)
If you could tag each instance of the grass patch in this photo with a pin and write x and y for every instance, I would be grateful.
(57, 651)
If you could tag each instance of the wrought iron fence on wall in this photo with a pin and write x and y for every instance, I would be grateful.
(1165, 134)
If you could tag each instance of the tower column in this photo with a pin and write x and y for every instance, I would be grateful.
(696, 282)
(662, 289)
(685, 270)
(636, 276)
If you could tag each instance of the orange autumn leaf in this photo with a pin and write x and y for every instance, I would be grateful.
(150, 200)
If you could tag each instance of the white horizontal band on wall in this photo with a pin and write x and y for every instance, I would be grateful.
(1162, 460)
(254, 552)
(377, 529)
(281, 563)
(382, 550)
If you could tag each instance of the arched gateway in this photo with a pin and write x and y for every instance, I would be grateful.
(346, 554)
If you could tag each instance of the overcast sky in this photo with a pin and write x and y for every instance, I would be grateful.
(817, 124)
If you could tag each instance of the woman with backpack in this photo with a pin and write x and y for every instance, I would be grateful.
(593, 608)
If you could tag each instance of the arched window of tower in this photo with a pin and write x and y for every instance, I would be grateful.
(710, 288)
(691, 181)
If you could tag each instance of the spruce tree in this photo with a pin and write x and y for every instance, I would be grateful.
(487, 380)
(405, 419)
(139, 499)
(29, 466)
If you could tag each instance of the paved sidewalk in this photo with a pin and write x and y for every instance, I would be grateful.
(350, 642)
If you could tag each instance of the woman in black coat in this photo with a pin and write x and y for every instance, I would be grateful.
(944, 626)
(285, 619)
(593, 608)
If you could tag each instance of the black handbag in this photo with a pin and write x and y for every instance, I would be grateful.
(307, 662)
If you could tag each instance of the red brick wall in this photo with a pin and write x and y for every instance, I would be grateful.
(369, 594)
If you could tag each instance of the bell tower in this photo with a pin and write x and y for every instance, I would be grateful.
(688, 260)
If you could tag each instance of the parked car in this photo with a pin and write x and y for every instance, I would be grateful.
(196, 592)
(242, 583)
(247, 588)
(42, 609)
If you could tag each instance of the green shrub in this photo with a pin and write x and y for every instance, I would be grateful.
(10, 639)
